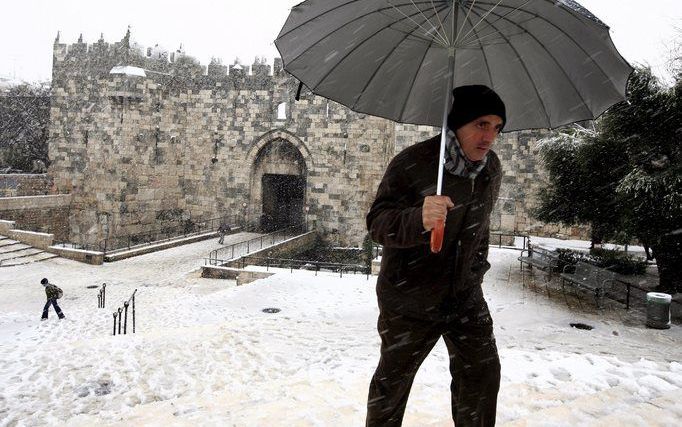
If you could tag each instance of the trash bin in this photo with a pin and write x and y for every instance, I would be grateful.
(658, 310)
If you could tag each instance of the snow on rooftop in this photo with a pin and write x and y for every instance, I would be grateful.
(128, 70)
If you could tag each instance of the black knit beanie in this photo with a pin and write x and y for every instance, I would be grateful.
(472, 102)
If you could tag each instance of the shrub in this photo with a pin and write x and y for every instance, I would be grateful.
(610, 259)
(618, 261)
(571, 257)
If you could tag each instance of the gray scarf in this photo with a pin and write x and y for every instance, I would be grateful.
(457, 163)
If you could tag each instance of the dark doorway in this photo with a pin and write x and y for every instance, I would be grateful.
(282, 201)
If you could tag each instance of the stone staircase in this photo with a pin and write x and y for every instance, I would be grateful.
(13, 252)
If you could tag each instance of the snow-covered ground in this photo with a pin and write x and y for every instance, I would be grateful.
(206, 354)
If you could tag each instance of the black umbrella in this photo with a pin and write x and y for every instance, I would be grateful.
(551, 61)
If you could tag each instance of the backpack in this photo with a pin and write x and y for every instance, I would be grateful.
(57, 289)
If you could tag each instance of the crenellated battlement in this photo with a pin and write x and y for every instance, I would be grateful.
(91, 59)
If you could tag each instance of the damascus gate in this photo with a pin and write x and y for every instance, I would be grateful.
(139, 137)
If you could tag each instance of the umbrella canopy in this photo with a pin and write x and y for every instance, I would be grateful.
(551, 61)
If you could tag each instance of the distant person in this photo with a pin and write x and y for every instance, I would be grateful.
(53, 293)
(223, 229)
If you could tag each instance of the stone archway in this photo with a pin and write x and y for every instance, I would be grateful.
(278, 181)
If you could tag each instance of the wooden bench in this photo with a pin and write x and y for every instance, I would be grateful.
(589, 277)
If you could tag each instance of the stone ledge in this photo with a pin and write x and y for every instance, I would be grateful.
(34, 202)
(6, 226)
(241, 276)
(80, 255)
(32, 238)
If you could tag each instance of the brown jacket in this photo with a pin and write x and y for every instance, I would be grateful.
(413, 281)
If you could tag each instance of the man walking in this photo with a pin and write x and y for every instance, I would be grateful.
(423, 296)
(53, 293)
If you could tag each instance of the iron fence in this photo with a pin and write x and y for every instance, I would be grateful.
(221, 256)
(186, 228)
(297, 264)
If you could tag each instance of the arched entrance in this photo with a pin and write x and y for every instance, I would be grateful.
(283, 197)
(278, 184)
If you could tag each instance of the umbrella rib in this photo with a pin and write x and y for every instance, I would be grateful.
(334, 9)
(466, 18)
(376, 70)
(487, 65)
(507, 14)
(426, 32)
(351, 51)
(558, 64)
(440, 22)
(414, 79)
(568, 36)
(316, 16)
(544, 107)
(487, 38)
(349, 22)
(479, 22)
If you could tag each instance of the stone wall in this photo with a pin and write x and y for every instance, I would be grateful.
(15, 184)
(45, 214)
(187, 141)
(133, 149)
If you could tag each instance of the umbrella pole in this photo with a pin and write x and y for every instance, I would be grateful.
(438, 232)
(444, 126)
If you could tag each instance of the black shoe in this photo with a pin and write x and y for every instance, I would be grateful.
(43, 318)
(62, 317)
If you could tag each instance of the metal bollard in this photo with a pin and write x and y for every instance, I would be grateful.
(115, 313)
(134, 310)
(125, 319)
(120, 310)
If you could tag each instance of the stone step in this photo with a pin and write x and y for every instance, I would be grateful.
(37, 257)
(7, 242)
(19, 252)
(13, 248)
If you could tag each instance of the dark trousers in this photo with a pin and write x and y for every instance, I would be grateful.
(58, 310)
(474, 365)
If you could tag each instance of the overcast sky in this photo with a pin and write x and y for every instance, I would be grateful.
(642, 31)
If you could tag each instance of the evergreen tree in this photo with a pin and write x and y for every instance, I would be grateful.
(651, 126)
(24, 118)
(625, 180)
(584, 170)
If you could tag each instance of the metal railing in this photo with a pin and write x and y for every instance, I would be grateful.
(501, 234)
(221, 256)
(160, 235)
(297, 264)
(156, 235)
